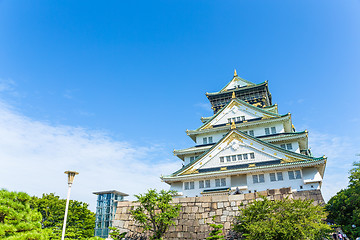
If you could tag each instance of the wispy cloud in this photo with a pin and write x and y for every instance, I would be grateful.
(204, 106)
(340, 151)
(7, 85)
(34, 156)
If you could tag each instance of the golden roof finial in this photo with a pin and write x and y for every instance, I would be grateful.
(233, 125)
(233, 95)
(235, 74)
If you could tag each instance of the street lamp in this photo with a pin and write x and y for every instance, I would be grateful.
(71, 176)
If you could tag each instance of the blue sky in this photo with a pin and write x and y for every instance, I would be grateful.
(96, 86)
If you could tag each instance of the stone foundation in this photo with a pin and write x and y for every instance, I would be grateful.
(197, 212)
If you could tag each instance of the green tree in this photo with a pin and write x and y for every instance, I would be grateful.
(17, 220)
(115, 233)
(80, 221)
(282, 220)
(344, 207)
(216, 232)
(155, 212)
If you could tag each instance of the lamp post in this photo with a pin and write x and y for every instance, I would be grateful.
(71, 176)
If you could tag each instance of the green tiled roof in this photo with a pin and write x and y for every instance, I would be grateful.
(308, 158)
(246, 104)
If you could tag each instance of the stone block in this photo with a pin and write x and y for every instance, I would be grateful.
(204, 199)
(227, 225)
(175, 200)
(194, 209)
(220, 198)
(223, 218)
(226, 204)
(261, 193)
(233, 203)
(220, 205)
(249, 196)
(218, 212)
(205, 204)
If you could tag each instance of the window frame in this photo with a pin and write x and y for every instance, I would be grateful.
(267, 131)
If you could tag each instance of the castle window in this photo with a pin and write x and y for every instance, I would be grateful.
(222, 159)
(272, 177)
(207, 183)
(217, 182)
(238, 119)
(289, 146)
(258, 178)
(189, 185)
(252, 155)
(239, 157)
(201, 184)
(273, 130)
(229, 120)
(294, 174)
(233, 158)
(245, 132)
(228, 159)
(210, 140)
(267, 131)
(204, 140)
(245, 156)
(242, 118)
(276, 177)
(223, 182)
(192, 159)
(283, 146)
(251, 132)
(220, 182)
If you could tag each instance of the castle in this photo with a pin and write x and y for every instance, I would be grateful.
(245, 147)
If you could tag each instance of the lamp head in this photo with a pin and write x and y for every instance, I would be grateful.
(71, 176)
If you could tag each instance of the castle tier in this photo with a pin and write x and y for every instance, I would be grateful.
(246, 146)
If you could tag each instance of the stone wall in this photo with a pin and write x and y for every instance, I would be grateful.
(197, 212)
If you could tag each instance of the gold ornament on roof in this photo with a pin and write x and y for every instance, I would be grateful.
(233, 125)
(233, 95)
(235, 74)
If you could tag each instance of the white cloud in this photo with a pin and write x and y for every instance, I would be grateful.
(34, 156)
(340, 151)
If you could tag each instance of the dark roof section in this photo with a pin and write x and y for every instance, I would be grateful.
(216, 190)
(111, 191)
(239, 166)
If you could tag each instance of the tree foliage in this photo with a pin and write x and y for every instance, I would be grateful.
(115, 233)
(155, 212)
(282, 220)
(80, 221)
(216, 233)
(17, 220)
(344, 207)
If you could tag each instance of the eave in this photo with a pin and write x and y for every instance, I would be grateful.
(293, 156)
(223, 91)
(235, 101)
(274, 139)
(242, 125)
(320, 162)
